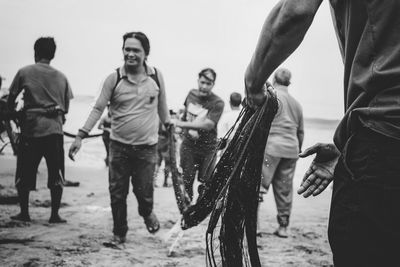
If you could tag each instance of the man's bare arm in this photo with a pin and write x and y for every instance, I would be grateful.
(282, 32)
(202, 123)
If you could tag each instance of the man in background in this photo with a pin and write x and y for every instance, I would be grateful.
(364, 161)
(105, 125)
(46, 94)
(203, 110)
(282, 149)
(163, 153)
(229, 118)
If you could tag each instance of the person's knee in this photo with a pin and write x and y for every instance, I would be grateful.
(284, 192)
(118, 200)
(118, 194)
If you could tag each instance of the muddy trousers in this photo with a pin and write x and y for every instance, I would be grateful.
(279, 172)
(135, 164)
(364, 223)
(195, 159)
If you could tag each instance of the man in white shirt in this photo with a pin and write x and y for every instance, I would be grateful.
(229, 118)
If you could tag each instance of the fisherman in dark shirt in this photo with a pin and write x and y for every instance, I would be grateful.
(203, 109)
(364, 159)
(46, 99)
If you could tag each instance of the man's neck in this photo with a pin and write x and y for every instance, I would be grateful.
(43, 61)
(280, 87)
(134, 70)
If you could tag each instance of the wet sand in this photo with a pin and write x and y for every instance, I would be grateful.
(80, 241)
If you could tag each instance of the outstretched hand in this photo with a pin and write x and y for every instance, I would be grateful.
(320, 173)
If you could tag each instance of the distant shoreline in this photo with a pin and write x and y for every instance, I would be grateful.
(308, 121)
(320, 121)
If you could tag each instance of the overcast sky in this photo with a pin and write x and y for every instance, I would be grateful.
(185, 36)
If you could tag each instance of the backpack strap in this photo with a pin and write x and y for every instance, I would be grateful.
(154, 76)
(119, 78)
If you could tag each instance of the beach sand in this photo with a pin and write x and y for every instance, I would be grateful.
(80, 241)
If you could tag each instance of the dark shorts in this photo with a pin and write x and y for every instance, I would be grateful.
(31, 150)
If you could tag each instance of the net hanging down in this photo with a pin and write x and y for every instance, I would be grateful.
(231, 192)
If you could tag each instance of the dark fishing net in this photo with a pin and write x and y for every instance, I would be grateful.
(182, 198)
(231, 192)
(10, 124)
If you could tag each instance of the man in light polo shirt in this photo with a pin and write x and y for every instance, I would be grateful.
(281, 151)
(136, 94)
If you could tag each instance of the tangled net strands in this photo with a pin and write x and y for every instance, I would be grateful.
(8, 119)
(231, 194)
(11, 120)
(182, 198)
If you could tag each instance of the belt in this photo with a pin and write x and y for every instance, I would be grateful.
(134, 146)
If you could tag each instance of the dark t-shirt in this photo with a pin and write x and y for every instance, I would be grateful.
(44, 87)
(368, 33)
(212, 107)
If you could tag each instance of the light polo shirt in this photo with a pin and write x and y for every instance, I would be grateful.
(135, 108)
(287, 125)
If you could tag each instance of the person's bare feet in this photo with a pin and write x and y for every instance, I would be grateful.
(57, 219)
(152, 223)
(119, 239)
(116, 242)
(21, 217)
(281, 232)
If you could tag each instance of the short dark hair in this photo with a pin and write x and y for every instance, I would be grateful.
(282, 76)
(204, 72)
(141, 37)
(45, 48)
(235, 99)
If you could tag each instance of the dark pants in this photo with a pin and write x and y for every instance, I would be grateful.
(364, 224)
(195, 159)
(31, 150)
(137, 163)
(163, 154)
(106, 140)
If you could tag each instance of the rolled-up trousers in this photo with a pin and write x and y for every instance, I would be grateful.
(279, 172)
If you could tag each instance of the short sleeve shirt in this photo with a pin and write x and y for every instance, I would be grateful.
(43, 87)
(211, 107)
(368, 34)
(283, 139)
